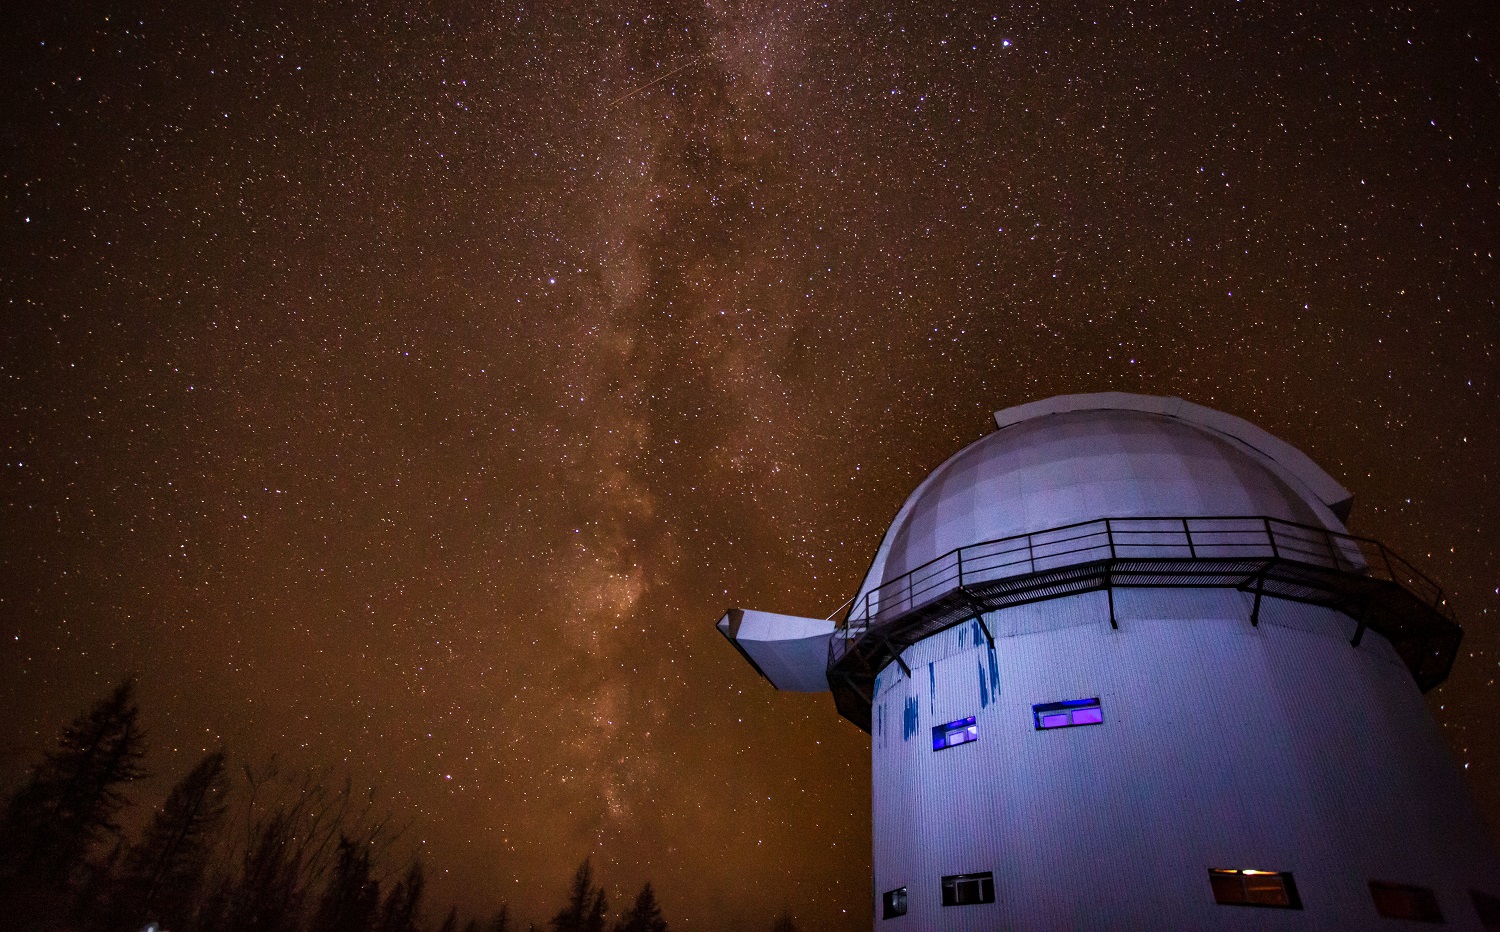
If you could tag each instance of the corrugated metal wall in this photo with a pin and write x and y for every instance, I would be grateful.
(1223, 745)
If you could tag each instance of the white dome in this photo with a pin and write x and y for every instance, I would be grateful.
(1093, 459)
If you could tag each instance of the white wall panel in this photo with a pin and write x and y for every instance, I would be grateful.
(1277, 747)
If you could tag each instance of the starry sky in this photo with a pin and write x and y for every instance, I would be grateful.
(406, 388)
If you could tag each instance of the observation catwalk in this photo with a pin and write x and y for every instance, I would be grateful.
(1124, 667)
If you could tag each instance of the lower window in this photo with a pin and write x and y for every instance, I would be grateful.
(968, 889)
(1235, 887)
(893, 903)
(1404, 901)
(1488, 908)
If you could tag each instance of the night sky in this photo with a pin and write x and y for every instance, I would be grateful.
(393, 396)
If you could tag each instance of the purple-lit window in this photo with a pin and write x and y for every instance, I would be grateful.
(954, 733)
(1065, 714)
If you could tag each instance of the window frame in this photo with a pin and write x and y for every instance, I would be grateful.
(968, 727)
(1222, 880)
(985, 881)
(894, 903)
(1422, 900)
(1042, 711)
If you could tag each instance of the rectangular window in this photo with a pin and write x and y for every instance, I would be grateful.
(1488, 908)
(954, 733)
(1065, 714)
(968, 889)
(1234, 887)
(1404, 901)
(894, 903)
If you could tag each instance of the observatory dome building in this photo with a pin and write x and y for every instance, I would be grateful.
(1123, 666)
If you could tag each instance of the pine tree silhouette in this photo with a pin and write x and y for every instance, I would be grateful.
(67, 807)
(162, 873)
(268, 894)
(404, 902)
(351, 898)
(645, 915)
(587, 904)
(598, 914)
(501, 922)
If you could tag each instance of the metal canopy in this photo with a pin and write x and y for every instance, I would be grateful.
(1260, 555)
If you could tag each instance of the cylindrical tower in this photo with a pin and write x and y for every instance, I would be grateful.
(1124, 667)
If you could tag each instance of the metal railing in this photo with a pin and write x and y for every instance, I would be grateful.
(1231, 541)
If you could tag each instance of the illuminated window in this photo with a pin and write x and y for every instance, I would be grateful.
(894, 903)
(968, 889)
(1488, 908)
(1254, 888)
(1403, 901)
(1065, 714)
(954, 733)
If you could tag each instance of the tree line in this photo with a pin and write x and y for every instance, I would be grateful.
(292, 854)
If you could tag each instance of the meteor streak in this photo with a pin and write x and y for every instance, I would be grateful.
(631, 93)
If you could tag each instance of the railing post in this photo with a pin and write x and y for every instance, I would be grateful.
(1031, 551)
(960, 567)
(1188, 533)
(1271, 536)
(1109, 535)
(1363, 620)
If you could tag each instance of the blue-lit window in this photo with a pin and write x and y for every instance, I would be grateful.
(954, 733)
(1067, 714)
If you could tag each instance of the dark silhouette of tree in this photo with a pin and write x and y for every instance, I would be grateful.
(161, 875)
(501, 922)
(784, 923)
(292, 855)
(644, 916)
(267, 896)
(51, 827)
(598, 914)
(287, 852)
(68, 805)
(587, 904)
(351, 898)
(402, 905)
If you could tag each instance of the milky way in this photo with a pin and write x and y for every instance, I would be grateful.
(396, 391)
